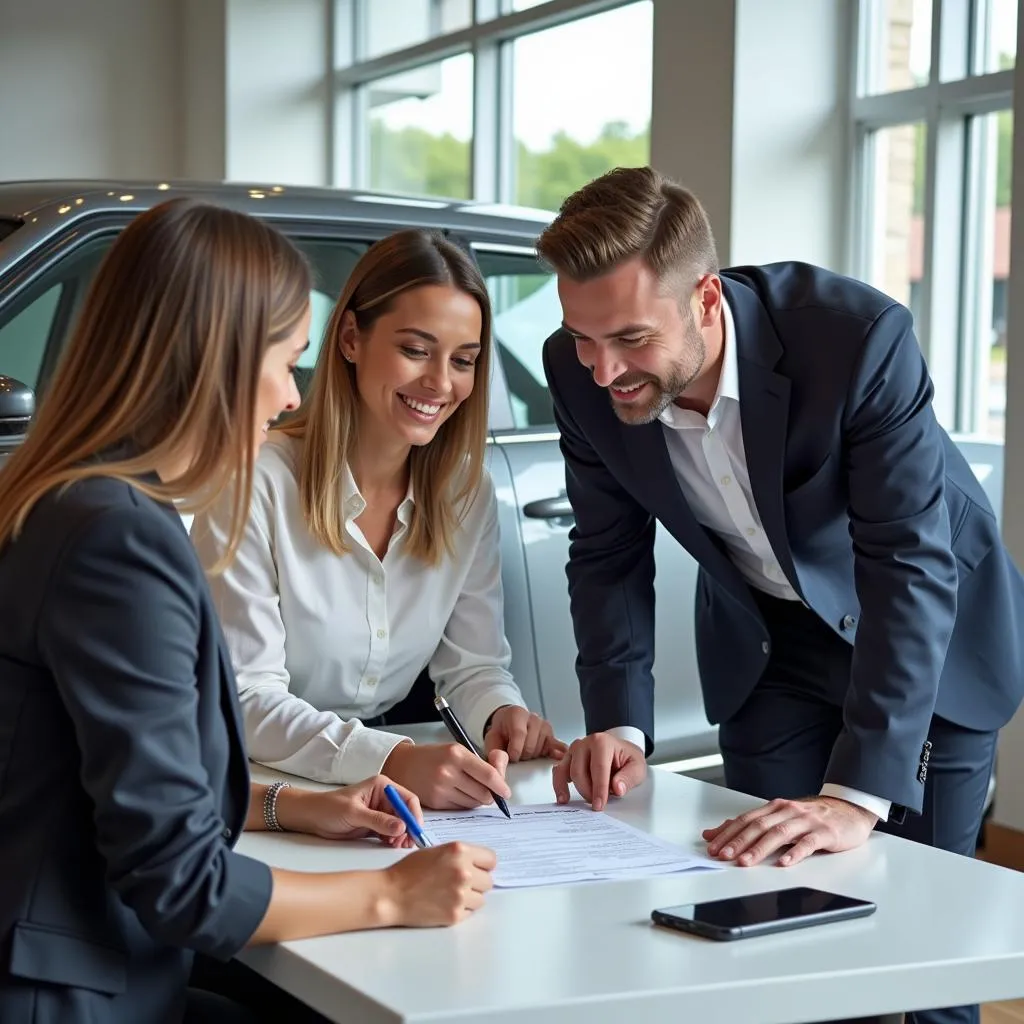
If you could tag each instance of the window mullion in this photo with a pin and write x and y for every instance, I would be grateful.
(506, 137)
(345, 129)
(942, 270)
(978, 248)
(485, 152)
(486, 122)
(864, 202)
(951, 34)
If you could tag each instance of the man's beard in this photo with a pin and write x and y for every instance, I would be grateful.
(662, 392)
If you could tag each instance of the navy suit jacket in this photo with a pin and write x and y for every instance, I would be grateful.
(123, 775)
(872, 512)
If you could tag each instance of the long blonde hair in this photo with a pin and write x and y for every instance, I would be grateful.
(167, 351)
(446, 472)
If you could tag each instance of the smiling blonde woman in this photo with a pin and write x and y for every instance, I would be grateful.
(372, 549)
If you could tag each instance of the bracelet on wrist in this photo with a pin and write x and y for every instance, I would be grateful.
(270, 806)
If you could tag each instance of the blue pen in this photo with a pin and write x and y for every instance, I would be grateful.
(419, 837)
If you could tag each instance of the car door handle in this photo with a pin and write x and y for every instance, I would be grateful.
(548, 508)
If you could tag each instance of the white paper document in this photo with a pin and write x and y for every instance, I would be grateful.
(552, 844)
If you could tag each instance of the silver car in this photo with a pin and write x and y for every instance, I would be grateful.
(53, 235)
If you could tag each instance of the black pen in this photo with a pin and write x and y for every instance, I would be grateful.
(454, 726)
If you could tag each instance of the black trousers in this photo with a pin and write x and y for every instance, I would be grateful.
(231, 993)
(415, 707)
(778, 745)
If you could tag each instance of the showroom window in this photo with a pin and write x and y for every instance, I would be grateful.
(421, 124)
(509, 101)
(578, 120)
(934, 126)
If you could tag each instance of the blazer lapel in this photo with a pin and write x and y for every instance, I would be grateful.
(764, 415)
(238, 760)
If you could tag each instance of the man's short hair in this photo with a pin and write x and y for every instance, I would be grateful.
(630, 212)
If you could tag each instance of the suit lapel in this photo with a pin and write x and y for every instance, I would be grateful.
(764, 415)
(764, 411)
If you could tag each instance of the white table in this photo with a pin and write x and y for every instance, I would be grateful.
(948, 930)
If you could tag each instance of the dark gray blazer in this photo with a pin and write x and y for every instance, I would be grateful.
(873, 513)
(123, 777)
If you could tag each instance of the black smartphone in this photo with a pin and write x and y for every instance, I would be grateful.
(761, 913)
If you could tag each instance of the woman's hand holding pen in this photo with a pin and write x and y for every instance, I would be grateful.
(441, 885)
(447, 775)
(353, 812)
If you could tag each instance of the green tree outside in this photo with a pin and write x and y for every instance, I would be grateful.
(412, 160)
(544, 178)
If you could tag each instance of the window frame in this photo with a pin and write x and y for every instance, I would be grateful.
(946, 104)
(488, 39)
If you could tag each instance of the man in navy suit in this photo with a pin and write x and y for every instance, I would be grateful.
(858, 618)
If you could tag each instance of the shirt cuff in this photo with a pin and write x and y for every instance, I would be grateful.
(363, 754)
(474, 717)
(630, 734)
(875, 804)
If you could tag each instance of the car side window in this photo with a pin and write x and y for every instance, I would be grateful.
(36, 327)
(526, 311)
(23, 338)
(332, 261)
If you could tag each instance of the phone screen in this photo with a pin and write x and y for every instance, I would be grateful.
(759, 911)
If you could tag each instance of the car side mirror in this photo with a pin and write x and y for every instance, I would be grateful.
(17, 407)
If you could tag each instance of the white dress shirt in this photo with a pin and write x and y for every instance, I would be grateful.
(710, 463)
(319, 641)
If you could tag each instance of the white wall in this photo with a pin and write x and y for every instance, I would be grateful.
(748, 112)
(89, 89)
(692, 119)
(204, 89)
(790, 132)
(277, 110)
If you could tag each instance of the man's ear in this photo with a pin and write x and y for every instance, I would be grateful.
(709, 300)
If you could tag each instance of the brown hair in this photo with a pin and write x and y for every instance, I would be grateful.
(446, 472)
(629, 212)
(168, 351)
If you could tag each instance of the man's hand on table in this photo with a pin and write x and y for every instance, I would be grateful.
(814, 824)
(599, 765)
(522, 734)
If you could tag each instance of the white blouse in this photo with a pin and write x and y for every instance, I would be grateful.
(319, 641)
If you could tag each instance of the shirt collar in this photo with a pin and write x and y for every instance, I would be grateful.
(354, 503)
(729, 382)
(728, 379)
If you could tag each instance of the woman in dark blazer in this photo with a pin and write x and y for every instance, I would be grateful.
(123, 778)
